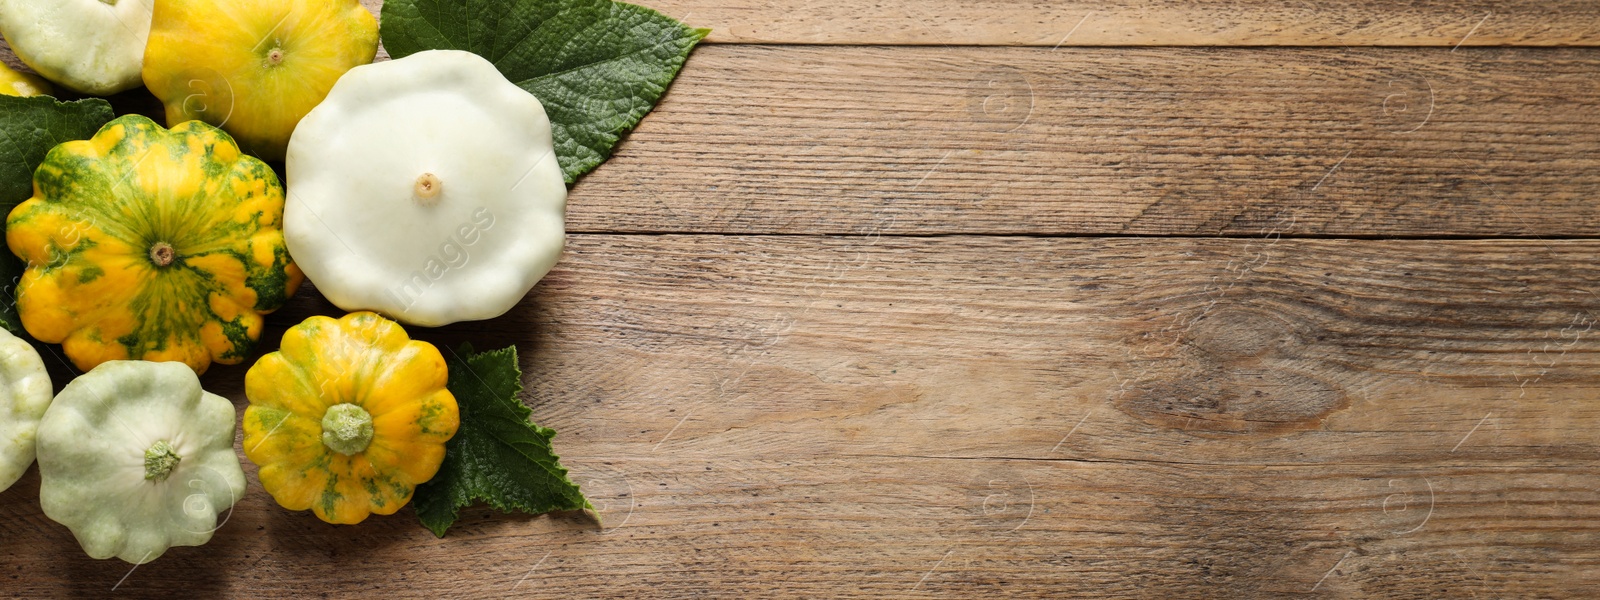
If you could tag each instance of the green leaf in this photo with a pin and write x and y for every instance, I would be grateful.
(597, 65)
(497, 455)
(29, 128)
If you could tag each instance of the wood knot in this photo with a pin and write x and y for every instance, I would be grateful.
(1238, 371)
(1235, 402)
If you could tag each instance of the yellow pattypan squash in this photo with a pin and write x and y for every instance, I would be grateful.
(254, 67)
(144, 243)
(348, 417)
(17, 83)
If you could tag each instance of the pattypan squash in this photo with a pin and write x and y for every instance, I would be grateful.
(253, 67)
(144, 243)
(348, 417)
(135, 458)
(24, 396)
(17, 83)
(88, 46)
(459, 164)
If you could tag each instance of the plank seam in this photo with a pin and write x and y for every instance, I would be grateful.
(1199, 236)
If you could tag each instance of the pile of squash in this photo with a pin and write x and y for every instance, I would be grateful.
(422, 190)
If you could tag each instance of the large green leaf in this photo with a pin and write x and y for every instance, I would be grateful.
(29, 128)
(597, 65)
(497, 455)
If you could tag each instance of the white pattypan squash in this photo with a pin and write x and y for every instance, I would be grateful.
(24, 396)
(426, 189)
(88, 46)
(135, 458)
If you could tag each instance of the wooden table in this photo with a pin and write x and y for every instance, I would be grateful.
(1036, 298)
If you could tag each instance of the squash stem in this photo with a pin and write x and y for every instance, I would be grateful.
(162, 254)
(346, 429)
(427, 187)
(159, 460)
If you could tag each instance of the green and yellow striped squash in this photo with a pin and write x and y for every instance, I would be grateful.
(144, 243)
(348, 417)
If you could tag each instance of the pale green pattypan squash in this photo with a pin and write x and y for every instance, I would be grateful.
(135, 458)
(426, 189)
(88, 46)
(24, 396)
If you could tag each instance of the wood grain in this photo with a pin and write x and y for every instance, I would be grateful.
(1330, 142)
(907, 409)
(1048, 23)
(1068, 23)
(780, 416)
(1162, 141)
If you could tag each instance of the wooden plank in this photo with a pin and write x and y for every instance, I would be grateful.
(1112, 141)
(946, 417)
(903, 528)
(1056, 23)
(1331, 142)
(1051, 23)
